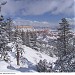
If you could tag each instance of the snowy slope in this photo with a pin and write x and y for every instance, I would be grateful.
(35, 56)
(31, 58)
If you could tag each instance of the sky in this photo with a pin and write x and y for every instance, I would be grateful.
(39, 12)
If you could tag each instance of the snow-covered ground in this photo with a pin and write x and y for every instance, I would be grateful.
(30, 59)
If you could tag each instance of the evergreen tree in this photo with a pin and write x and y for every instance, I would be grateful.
(3, 38)
(23, 37)
(9, 28)
(16, 37)
(44, 66)
(74, 42)
(35, 39)
(66, 64)
(64, 35)
(18, 43)
(27, 39)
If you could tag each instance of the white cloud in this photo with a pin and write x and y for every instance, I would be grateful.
(20, 21)
(71, 21)
(37, 7)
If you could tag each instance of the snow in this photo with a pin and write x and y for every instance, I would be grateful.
(51, 37)
(45, 40)
(33, 55)
(3, 67)
(30, 59)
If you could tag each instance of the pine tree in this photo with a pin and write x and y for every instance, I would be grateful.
(16, 37)
(3, 38)
(9, 28)
(23, 37)
(65, 47)
(27, 39)
(64, 35)
(18, 43)
(74, 42)
(34, 38)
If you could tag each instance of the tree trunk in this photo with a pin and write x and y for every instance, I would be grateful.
(17, 55)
